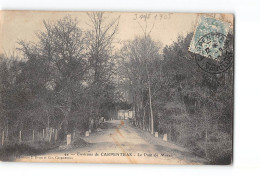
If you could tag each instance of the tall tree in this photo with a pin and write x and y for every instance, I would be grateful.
(139, 61)
(99, 42)
(59, 59)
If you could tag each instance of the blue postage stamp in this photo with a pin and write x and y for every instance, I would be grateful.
(209, 37)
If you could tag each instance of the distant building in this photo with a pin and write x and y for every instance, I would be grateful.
(125, 114)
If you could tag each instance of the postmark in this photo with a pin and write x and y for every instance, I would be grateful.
(213, 51)
(216, 55)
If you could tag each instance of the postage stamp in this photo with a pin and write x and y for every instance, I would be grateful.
(211, 46)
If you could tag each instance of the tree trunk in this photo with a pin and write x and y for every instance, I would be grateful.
(150, 101)
(144, 120)
(206, 136)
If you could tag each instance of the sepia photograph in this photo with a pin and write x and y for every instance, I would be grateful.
(116, 87)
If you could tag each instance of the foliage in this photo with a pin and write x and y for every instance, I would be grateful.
(62, 81)
(193, 107)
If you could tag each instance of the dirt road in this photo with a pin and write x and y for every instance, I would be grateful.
(120, 142)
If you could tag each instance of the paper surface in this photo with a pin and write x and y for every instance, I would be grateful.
(116, 87)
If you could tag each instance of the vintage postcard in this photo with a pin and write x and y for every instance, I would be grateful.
(116, 87)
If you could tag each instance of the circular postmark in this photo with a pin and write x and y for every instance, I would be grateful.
(214, 52)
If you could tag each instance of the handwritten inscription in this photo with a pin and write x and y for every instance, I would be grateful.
(151, 16)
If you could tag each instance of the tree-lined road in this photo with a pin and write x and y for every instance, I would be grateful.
(119, 142)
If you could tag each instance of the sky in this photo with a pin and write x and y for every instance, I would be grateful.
(165, 27)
